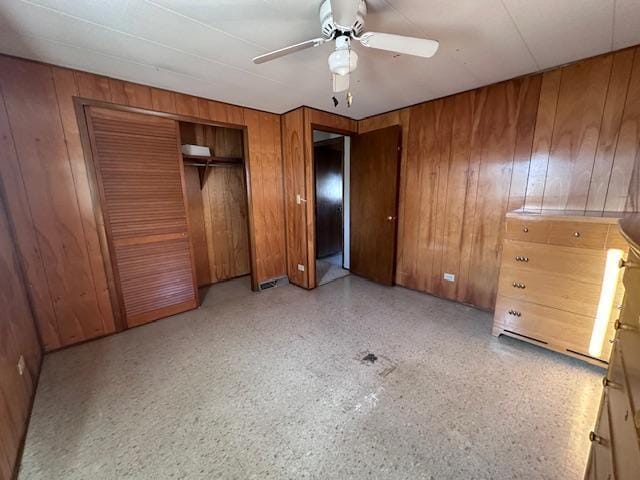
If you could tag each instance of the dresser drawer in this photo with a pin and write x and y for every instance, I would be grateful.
(578, 234)
(527, 229)
(581, 264)
(630, 314)
(624, 444)
(601, 459)
(631, 277)
(628, 344)
(551, 290)
(557, 328)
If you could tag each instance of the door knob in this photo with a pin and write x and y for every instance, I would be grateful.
(390, 218)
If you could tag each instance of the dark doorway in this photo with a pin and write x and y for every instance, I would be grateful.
(329, 197)
(329, 178)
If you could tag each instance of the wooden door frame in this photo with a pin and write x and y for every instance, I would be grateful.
(115, 296)
(310, 182)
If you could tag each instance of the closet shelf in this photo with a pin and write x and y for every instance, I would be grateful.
(212, 159)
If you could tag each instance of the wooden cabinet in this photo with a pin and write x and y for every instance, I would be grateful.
(560, 286)
(615, 449)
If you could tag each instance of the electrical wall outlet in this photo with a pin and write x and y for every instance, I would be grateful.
(22, 366)
(301, 267)
(449, 277)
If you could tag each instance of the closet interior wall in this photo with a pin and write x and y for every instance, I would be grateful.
(217, 199)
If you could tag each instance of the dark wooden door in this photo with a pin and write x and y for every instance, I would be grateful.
(375, 167)
(142, 192)
(327, 159)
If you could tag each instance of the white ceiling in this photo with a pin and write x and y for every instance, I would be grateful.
(205, 47)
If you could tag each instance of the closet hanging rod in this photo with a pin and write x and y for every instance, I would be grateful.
(212, 164)
(212, 158)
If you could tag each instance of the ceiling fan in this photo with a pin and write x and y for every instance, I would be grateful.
(343, 21)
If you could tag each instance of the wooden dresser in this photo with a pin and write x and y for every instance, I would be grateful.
(560, 286)
(615, 441)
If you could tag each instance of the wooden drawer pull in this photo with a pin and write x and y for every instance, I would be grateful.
(519, 285)
(515, 313)
(522, 259)
(618, 325)
(625, 264)
(595, 438)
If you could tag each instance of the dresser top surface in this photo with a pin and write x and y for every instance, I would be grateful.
(576, 215)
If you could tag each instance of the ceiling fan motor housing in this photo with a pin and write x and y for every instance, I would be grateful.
(330, 29)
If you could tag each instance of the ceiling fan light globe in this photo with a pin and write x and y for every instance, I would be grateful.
(343, 61)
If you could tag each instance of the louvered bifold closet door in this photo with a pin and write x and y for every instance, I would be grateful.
(140, 177)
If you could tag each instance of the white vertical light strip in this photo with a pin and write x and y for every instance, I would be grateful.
(605, 305)
(346, 178)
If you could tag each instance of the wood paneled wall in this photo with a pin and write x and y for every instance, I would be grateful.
(297, 151)
(293, 152)
(565, 139)
(49, 199)
(266, 194)
(17, 337)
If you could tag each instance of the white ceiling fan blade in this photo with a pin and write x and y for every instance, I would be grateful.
(420, 47)
(340, 83)
(344, 12)
(287, 50)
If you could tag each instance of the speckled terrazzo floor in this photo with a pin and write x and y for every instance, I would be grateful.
(271, 385)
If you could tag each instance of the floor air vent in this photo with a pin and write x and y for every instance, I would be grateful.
(278, 282)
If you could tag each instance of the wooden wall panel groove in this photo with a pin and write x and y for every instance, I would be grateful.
(611, 120)
(455, 201)
(524, 141)
(266, 187)
(187, 105)
(66, 89)
(545, 123)
(222, 112)
(39, 140)
(93, 86)
(28, 246)
(163, 100)
(130, 94)
(498, 140)
(581, 101)
(18, 336)
(567, 138)
(624, 186)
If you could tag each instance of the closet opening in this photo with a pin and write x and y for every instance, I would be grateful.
(331, 165)
(216, 191)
